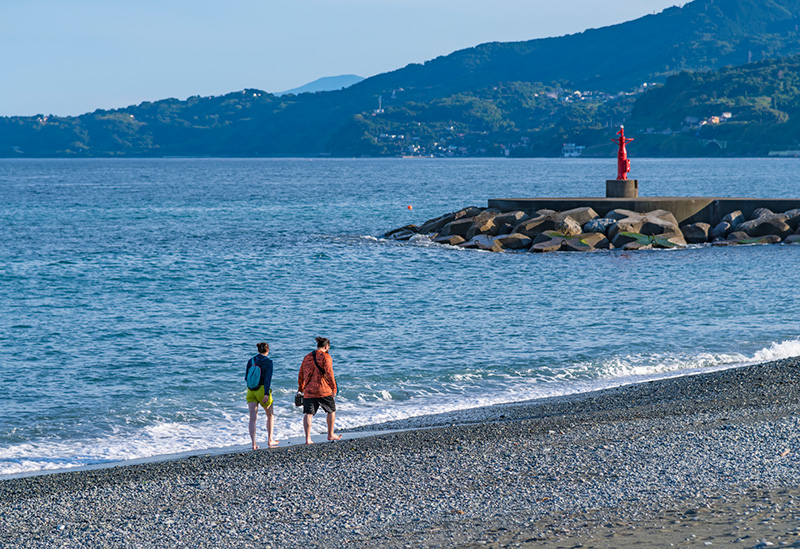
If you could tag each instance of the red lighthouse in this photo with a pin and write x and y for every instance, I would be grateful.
(623, 163)
(622, 187)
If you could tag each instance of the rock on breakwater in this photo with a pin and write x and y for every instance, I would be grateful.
(583, 229)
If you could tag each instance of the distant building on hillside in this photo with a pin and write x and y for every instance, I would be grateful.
(571, 150)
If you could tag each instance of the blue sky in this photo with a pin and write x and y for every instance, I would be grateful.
(67, 57)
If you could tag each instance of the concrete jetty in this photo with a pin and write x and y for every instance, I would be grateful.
(686, 210)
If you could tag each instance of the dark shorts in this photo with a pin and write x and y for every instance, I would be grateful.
(311, 405)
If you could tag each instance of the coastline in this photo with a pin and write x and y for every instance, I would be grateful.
(664, 457)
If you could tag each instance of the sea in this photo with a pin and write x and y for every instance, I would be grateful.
(133, 292)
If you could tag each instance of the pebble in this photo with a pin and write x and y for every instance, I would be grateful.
(552, 469)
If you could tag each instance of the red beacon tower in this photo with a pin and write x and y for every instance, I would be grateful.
(623, 163)
(622, 187)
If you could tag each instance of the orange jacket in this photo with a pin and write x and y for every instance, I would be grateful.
(311, 382)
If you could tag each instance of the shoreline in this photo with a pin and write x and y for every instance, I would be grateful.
(461, 416)
(611, 464)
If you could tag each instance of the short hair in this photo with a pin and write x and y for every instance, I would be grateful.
(322, 342)
(263, 347)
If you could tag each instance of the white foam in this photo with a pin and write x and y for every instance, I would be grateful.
(580, 378)
(778, 351)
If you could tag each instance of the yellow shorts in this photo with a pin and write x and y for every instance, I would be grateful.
(258, 396)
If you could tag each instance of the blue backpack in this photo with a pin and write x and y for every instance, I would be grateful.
(253, 376)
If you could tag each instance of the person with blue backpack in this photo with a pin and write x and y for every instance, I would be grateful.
(258, 376)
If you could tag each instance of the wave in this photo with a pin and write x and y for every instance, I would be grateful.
(778, 351)
(372, 405)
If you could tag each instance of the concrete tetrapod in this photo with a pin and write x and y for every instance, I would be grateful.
(793, 219)
(619, 214)
(734, 218)
(568, 227)
(436, 224)
(511, 218)
(402, 235)
(659, 222)
(405, 228)
(696, 233)
(549, 241)
(792, 239)
(721, 230)
(586, 242)
(483, 223)
(767, 224)
(631, 224)
(483, 242)
(458, 227)
(516, 241)
(599, 225)
(453, 240)
(741, 238)
(536, 225)
(638, 241)
(581, 215)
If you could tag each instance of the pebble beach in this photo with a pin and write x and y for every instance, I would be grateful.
(703, 460)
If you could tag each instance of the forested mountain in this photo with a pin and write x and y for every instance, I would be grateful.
(702, 35)
(747, 110)
(521, 99)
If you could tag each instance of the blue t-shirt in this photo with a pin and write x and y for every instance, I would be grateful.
(266, 370)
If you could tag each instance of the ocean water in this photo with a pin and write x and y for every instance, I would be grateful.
(132, 292)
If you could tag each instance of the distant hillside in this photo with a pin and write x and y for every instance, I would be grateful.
(749, 110)
(523, 98)
(327, 83)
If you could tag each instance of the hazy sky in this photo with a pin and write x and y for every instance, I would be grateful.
(67, 57)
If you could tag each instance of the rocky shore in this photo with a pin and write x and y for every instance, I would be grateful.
(691, 461)
(583, 230)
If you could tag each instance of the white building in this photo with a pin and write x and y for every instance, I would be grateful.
(571, 150)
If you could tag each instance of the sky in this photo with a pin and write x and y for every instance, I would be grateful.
(68, 57)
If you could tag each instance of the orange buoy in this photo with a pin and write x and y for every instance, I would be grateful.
(410, 208)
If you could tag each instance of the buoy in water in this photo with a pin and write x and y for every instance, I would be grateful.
(410, 208)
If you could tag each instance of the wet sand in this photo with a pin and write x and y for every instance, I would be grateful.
(703, 460)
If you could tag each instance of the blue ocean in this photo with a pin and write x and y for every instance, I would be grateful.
(132, 293)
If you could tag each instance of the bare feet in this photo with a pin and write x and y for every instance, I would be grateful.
(309, 441)
(334, 437)
(256, 447)
(273, 443)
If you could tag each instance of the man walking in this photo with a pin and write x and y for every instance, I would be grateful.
(318, 385)
(262, 394)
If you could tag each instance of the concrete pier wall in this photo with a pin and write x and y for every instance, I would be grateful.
(709, 210)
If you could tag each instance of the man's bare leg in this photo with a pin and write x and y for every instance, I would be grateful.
(270, 426)
(307, 427)
(331, 419)
(253, 406)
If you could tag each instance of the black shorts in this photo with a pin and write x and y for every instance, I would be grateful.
(311, 405)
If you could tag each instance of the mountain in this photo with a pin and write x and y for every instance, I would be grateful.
(702, 35)
(750, 110)
(327, 83)
(521, 98)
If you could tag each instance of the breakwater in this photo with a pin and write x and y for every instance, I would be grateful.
(587, 224)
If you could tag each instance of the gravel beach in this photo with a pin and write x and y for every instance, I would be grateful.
(703, 460)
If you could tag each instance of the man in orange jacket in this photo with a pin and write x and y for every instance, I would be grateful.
(318, 385)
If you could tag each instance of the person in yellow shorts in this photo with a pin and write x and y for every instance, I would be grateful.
(262, 394)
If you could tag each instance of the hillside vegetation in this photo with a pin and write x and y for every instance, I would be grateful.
(515, 99)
